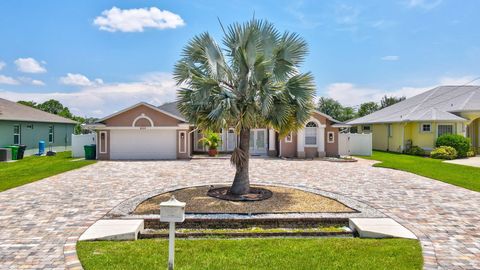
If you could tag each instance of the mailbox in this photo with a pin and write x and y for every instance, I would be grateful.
(172, 211)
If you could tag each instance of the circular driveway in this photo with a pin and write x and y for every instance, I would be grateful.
(40, 222)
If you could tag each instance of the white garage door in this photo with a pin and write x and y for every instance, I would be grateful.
(143, 144)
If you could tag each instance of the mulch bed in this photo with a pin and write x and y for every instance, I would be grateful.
(283, 200)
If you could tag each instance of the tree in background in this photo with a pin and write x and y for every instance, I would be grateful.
(330, 107)
(367, 108)
(389, 101)
(55, 107)
(335, 109)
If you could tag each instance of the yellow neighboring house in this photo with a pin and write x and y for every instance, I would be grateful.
(421, 119)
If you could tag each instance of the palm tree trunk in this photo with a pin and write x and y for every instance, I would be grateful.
(241, 182)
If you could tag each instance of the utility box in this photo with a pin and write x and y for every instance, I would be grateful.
(172, 211)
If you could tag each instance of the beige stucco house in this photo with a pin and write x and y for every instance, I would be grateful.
(144, 131)
(421, 119)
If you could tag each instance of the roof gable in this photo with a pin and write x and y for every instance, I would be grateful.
(138, 105)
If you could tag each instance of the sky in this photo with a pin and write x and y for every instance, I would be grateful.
(98, 57)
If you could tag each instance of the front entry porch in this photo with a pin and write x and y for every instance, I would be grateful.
(473, 132)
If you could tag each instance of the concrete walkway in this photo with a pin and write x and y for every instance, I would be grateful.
(40, 222)
(471, 161)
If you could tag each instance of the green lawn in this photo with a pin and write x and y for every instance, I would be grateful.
(266, 253)
(463, 176)
(33, 168)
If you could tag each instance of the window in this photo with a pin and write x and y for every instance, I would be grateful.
(444, 129)
(103, 142)
(16, 134)
(289, 137)
(366, 129)
(330, 137)
(311, 134)
(51, 137)
(426, 127)
(390, 130)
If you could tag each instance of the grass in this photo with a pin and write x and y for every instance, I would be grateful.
(458, 175)
(33, 168)
(276, 253)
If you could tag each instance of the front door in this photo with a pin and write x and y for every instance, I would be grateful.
(258, 142)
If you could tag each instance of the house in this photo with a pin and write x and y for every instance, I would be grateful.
(144, 131)
(421, 119)
(21, 124)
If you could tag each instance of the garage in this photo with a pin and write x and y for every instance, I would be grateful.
(138, 144)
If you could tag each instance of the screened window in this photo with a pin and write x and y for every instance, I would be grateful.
(16, 134)
(311, 133)
(366, 128)
(51, 136)
(445, 129)
(426, 128)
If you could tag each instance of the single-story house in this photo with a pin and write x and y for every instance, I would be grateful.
(420, 120)
(21, 124)
(145, 131)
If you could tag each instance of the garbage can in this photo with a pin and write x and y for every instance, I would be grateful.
(21, 151)
(90, 151)
(41, 147)
(14, 149)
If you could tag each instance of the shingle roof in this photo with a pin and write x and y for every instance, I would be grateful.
(438, 104)
(171, 107)
(10, 110)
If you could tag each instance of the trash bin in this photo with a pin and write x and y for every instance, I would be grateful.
(90, 151)
(14, 149)
(41, 147)
(21, 151)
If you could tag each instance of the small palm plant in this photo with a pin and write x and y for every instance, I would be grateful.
(211, 140)
(254, 81)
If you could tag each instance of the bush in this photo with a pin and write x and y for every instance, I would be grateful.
(444, 152)
(471, 153)
(460, 143)
(416, 151)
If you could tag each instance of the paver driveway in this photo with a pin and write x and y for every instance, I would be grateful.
(37, 220)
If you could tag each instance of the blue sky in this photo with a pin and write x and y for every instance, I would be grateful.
(100, 56)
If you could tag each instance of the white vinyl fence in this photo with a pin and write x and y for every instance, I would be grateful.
(355, 144)
(78, 141)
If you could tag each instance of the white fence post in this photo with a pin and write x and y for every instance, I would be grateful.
(355, 144)
(78, 141)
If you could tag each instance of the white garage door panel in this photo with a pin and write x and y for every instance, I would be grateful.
(143, 144)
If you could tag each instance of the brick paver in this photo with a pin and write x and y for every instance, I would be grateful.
(40, 222)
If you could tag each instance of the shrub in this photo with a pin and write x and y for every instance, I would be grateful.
(416, 151)
(460, 143)
(471, 153)
(444, 152)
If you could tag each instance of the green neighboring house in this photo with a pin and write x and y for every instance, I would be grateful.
(20, 124)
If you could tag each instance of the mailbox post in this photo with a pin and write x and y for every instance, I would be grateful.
(172, 211)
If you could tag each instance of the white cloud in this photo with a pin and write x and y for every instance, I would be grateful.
(2, 65)
(425, 4)
(390, 58)
(29, 65)
(101, 100)
(352, 95)
(31, 81)
(458, 80)
(136, 20)
(79, 80)
(8, 80)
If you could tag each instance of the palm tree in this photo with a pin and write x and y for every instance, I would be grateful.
(253, 81)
